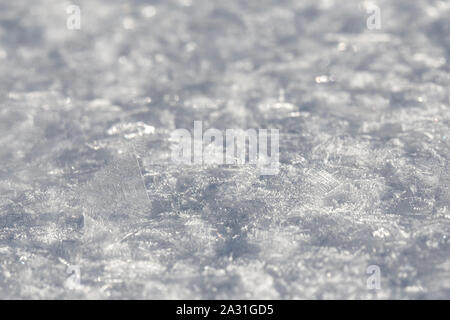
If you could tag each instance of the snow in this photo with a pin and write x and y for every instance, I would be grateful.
(85, 172)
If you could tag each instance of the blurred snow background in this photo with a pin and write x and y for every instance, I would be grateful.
(364, 149)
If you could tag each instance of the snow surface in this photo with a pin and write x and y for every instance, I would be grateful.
(85, 119)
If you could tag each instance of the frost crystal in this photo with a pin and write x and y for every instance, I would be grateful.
(360, 205)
